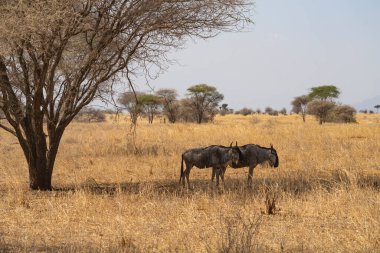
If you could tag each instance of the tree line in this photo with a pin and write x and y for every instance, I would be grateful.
(201, 104)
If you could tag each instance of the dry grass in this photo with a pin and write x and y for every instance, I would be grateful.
(110, 197)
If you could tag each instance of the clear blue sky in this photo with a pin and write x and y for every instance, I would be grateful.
(293, 46)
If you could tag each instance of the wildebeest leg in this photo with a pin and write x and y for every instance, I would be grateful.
(250, 175)
(186, 174)
(217, 172)
(223, 170)
(213, 174)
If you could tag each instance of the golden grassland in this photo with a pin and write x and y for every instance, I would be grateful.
(113, 197)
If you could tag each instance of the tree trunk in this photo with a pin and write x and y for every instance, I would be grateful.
(200, 117)
(41, 159)
(40, 176)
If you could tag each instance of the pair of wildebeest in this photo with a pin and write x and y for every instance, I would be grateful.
(219, 157)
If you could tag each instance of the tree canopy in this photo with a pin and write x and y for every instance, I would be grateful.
(324, 92)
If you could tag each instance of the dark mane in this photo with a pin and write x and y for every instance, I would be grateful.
(244, 146)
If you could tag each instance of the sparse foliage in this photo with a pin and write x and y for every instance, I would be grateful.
(130, 102)
(240, 235)
(320, 109)
(185, 111)
(90, 115)
(343, 114)
(245, 111)
(169, 103)
(299, 105)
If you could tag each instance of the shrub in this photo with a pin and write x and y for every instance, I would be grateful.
(240, 235)
(283, 111)
(342, 114)
(90, 115)
(320, 109)
(245, 111)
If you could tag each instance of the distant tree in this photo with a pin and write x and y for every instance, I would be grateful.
(274, 113)
(268, 110)
(89, 114)
(150, 104)
(258, 111)
(169, 103)
(204, 99)
(343, 113)
(283, 111)
(364, 111)
(186, 111)
(377, 108)
(224, 109)
(324, 92)
(320, 109)
(299, 105)
(245, 111)
(129, 100)
(371, 112)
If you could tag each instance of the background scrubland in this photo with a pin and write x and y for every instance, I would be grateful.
(112, 197)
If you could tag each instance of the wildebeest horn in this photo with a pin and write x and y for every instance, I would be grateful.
(271, 146)
(236, 143)
(231, 144)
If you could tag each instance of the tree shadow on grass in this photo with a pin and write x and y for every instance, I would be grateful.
(292, 185)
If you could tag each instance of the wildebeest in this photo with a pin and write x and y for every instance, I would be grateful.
(251, 156)
(214, 156)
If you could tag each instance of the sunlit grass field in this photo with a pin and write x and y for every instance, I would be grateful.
(115, 196)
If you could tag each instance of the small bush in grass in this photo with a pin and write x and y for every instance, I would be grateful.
(240, 235)
(343, 114)
(90, 115)
(245, 111)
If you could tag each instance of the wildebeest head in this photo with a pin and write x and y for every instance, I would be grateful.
(235, 153)
(273, 157)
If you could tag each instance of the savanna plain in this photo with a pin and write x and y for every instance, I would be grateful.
(118, 192)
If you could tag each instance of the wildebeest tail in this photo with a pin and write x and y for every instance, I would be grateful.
(180, 178)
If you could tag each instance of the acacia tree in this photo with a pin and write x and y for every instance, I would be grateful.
(57, 56)
(377, 108)
(299, 105)
(150, 105)
(320, 109)
(170, 103)
(324, 92)
(204, 99)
